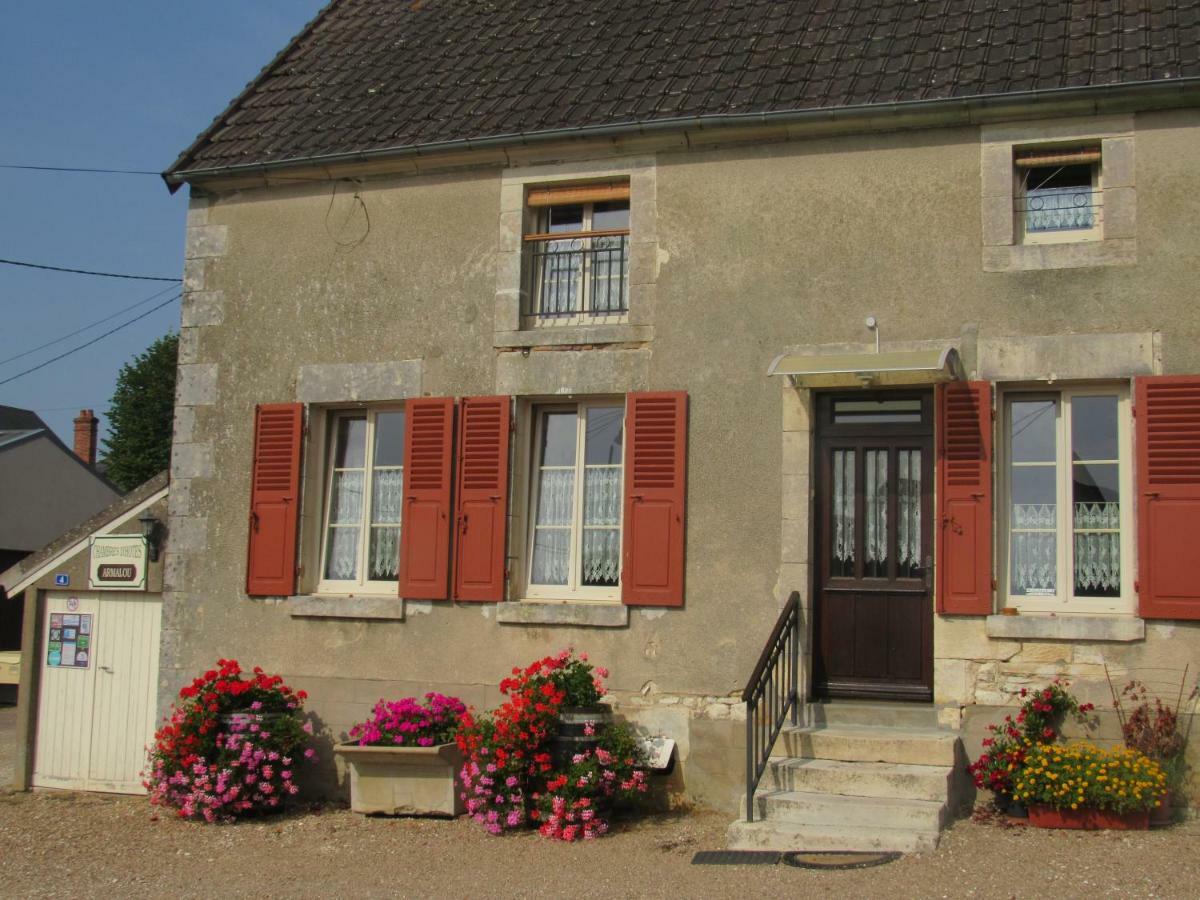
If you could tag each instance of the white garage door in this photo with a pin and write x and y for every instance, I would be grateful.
(96, 698)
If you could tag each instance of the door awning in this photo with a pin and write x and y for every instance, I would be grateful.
(869, 369)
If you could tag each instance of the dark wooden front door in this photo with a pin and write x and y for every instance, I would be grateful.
(874, 546)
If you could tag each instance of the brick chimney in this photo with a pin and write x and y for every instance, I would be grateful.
(86, 427)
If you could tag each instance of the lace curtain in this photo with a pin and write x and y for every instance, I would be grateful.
(601, 520)
(387, 497)
(601, 539)
(561, 265)
(552, 531)
(843, 511)
(1059, 209)
(908, 489)
(1097, 553)
(1034, 553)
(876, 551)
(346, 498)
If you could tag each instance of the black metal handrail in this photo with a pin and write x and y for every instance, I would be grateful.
(772, 692)
(578, 277)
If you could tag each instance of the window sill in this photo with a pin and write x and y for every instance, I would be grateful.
(551, 336)
(1034, 626)
(317, 606)
(593, 615)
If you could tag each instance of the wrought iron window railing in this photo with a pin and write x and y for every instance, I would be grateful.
(1058, 209)
(577, 277)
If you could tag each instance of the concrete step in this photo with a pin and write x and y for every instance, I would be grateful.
(768, 835)
(838, 811)
(859, 779)
(878, 714)
(863, 743)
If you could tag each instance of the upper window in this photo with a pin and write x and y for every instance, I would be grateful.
(364, 489)
(577, 255)
(1058, 194)
(575, 526)
(1068, 505)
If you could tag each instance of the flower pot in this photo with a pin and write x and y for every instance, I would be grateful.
(1089, 819)
(404, 781)
(572, 737)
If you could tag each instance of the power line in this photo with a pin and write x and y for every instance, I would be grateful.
(72, 169)
(59, 340)
(29, 265)
(92, 341)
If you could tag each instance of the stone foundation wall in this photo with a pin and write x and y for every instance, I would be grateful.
(978, 679)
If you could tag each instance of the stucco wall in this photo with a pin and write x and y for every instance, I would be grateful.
(760, 248)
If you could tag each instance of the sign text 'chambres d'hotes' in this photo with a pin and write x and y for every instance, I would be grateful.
(118, 561)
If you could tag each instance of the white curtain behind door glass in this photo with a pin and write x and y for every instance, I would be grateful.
(876, 465)
(843, 510)
(908, 489)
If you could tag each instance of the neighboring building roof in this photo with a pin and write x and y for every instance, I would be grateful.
(44, 486)
(15, 579)
(379, 75)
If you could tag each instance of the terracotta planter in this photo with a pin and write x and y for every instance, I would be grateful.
(404, 781)
(1088, 819)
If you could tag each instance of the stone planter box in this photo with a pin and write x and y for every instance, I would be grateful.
(404, 781)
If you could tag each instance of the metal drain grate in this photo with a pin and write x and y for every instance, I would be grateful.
(838, 859)
(735, 858)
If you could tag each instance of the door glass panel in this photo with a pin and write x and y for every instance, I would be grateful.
(908, 506)
(862, 412)
(1095, 497)
(1033, 510)
(842, 564)
(876, 496)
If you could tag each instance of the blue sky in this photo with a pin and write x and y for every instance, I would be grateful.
(106, 85)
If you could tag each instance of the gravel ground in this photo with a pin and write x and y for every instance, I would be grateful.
(56, 844)
(91, 845)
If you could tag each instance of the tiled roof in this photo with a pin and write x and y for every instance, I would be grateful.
(385, 74)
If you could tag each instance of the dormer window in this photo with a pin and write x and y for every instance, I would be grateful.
(1058, 195)
(577, 255)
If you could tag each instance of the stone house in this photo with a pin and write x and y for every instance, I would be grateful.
(524, 325)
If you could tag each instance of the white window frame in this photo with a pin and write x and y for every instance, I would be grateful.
(1066, 236)
(585, 299)
(359, 585)
(572, 590)
(1066, 602)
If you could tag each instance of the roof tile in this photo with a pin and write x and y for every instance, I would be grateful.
(376, 74)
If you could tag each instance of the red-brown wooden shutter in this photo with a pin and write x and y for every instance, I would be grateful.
(1168, 480)
(655, 497)
(274, 500)
(964, 477)
(479, 547)
(425, 521)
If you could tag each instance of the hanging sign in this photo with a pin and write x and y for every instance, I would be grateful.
(118, 561)
(70, 641)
